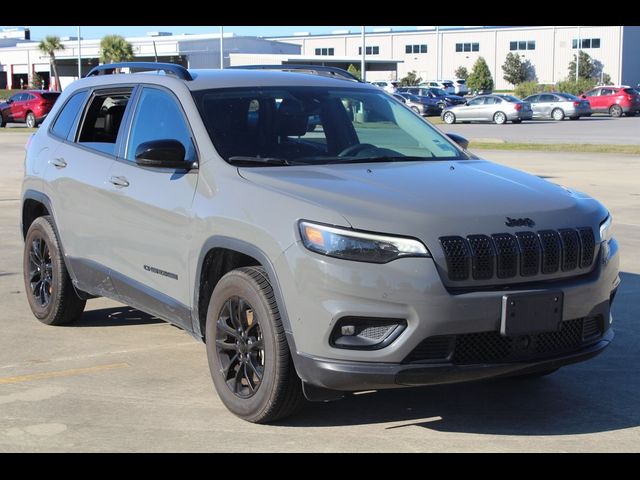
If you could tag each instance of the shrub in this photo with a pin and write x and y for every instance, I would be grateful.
(480, 77)
(528, 88)
(411, 79)
(461, 73)
(576, 88)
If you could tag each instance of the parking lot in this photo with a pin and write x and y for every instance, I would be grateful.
(123, 381)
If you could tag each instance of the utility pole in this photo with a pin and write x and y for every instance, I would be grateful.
(363, 72)
(221, 48)
(79, 56)
(578, 55)
(437, 52)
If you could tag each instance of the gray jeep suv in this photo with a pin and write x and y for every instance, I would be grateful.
(365, 251)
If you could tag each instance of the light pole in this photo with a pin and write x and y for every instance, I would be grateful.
(79, 56)
(363, 72)
(221, 48)
(578, 55)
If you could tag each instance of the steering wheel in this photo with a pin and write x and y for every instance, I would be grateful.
(355, 149)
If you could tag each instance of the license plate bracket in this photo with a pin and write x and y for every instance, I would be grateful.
(531, 312)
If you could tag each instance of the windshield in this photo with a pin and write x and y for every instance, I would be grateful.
(315, 125)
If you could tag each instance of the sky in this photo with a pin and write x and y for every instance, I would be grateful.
(89, 32)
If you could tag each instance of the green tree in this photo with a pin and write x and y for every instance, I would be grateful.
(587, 68)
(411, 79)
(353, 70)
(49, 46)
(515, 70)
(480, 78)
(37, 81)
(461, 72)
(114, 48)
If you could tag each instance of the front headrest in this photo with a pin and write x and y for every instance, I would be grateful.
(292, 119)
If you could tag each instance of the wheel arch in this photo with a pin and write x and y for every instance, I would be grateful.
(213, 263)
(34, 204)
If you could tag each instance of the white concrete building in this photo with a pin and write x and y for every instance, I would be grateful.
(436, 52)
(20, 57)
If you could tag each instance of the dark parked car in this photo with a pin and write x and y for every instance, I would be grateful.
(421, 105)
(445, 99)
(30, 107)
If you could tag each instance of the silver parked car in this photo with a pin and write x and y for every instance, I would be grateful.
(489, 108)
(558, 106)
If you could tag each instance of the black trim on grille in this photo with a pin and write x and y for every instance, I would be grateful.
(587, 246)
(529, 253)
(491, 347)
(526, 253)
(507, 251)
(483, 257)
(570, 248)
(457, 254)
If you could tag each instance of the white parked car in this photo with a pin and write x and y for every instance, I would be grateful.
(460, 86)
(446, 85)
(390, 87)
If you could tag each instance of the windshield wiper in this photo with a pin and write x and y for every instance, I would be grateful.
(276, 162)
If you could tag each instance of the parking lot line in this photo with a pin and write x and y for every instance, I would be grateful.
(61, 373)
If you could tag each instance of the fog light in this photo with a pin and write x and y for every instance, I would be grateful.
(364, 333)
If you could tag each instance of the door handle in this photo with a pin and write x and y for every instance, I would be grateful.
(119, 181)
(58, 162)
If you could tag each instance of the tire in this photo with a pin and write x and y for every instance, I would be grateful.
(557, 114)
(30, 120)
(449, 118)
(615, 111)
(278, 392)
(51, 296)
(3, 123)
(499, 118)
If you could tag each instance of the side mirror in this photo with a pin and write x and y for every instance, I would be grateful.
(162, 154)
(461, 141)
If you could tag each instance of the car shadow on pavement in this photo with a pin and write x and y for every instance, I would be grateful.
(594, 396)
(115, 317)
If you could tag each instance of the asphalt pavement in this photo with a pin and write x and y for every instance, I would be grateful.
(123, 381)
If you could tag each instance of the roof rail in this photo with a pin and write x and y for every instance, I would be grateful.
(177, 70)
(333, 72)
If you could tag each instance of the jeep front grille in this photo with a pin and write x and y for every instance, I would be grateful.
(524, 254)
(491, 347)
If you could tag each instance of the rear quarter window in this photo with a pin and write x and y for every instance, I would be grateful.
(68, 114)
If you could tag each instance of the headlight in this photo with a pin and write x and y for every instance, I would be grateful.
(358, 246)
(605, 229)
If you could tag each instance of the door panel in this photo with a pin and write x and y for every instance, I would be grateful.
(153, 207)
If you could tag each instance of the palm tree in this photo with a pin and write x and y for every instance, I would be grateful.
(114, 48)
(49, 46)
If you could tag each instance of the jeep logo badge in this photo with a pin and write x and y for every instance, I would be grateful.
(519, 222)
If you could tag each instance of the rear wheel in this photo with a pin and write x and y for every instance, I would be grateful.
(615, 111)
(449, 118)
(31, 120)
(557, 114)
(500, 118)
(48, 286)
(248, 354)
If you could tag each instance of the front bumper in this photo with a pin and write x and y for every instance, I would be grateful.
(355, 376)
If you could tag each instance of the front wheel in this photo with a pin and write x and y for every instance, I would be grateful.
(500, 118)
(247, 349)
(31, 120)
(48, 286)
(449, 118)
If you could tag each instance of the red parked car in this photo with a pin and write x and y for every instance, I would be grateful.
(30, 107)
(614, 100)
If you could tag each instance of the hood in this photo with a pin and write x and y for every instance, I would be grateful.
(428, 200)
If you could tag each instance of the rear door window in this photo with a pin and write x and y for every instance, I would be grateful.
(67, 116)
(102, 121)
(547, 98)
